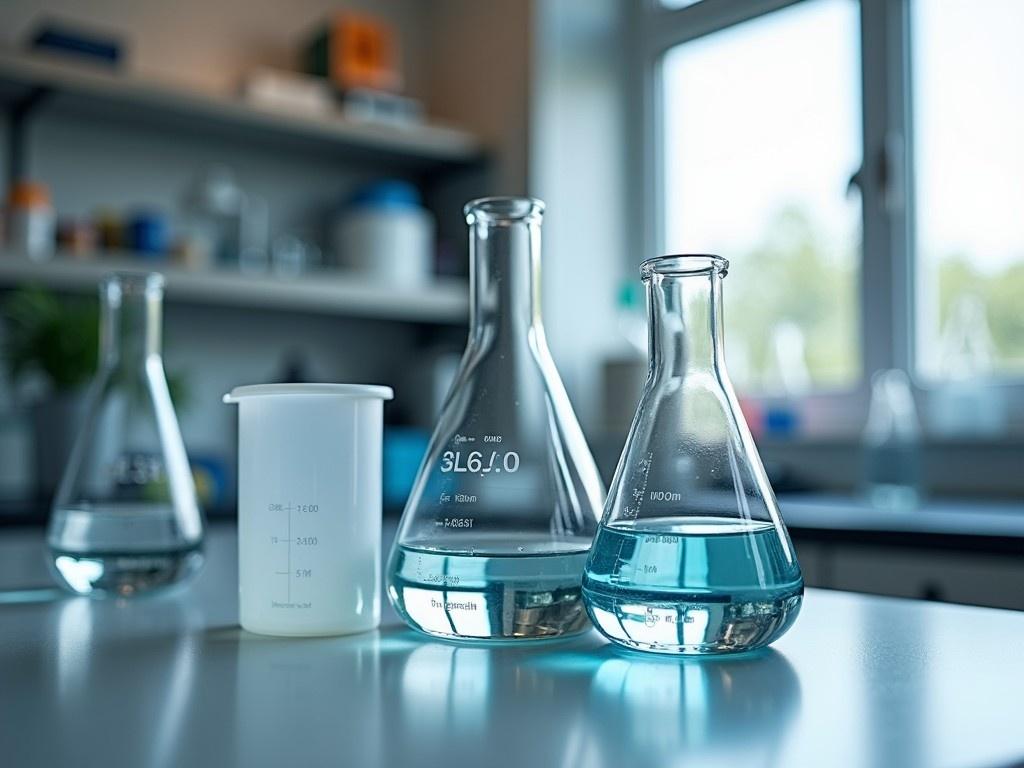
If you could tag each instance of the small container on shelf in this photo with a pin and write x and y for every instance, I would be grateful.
(149, 234)
(365, 105)
(31, 221)
(110, 230)
(291, 256)
(354, 50)
(288, 92)
(386, 234)
(77, 237)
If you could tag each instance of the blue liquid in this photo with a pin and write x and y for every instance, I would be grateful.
(500, 587)
(692, 586)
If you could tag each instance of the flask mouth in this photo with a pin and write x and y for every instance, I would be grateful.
(685, 264)
(132, 283)
(498, 209)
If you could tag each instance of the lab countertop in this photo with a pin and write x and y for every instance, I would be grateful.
(989, 527)
(173, 681)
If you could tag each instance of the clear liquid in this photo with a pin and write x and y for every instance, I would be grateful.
(692, 586)
(497, 587)
(120, 549)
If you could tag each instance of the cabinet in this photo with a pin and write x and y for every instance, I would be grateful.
(994, 580)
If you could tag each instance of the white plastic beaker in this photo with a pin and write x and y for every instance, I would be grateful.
(309, 507)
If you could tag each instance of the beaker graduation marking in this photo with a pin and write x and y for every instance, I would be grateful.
(305, 542)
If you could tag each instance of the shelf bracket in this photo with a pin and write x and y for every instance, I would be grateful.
(17, 154)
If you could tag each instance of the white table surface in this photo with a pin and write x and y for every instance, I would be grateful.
(173, 681)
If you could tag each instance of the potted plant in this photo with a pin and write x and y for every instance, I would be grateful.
(51, 347)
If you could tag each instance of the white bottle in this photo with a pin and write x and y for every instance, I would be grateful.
(31, 221)
(387, 236)
(309, 507)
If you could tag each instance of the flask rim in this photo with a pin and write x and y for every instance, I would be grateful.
(497, 209)
(684, 264)
(132, 283)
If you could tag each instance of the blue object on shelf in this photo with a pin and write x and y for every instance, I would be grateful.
(781, 421)
(61, 39)
(149, 234)
(389, 193)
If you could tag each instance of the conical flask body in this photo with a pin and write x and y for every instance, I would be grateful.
(125, 519)
(691, 556)
(497, 528)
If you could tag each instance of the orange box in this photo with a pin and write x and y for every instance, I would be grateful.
(355, 51)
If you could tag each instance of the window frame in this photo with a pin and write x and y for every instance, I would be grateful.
(887, 322)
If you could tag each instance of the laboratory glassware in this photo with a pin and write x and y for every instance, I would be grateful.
(309, 507)
(496, 530)
(691, 556)
(891, 443)
(125, 518)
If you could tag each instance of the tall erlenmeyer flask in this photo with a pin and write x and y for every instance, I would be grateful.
(692, 556)
(125, 519)
(502, 513)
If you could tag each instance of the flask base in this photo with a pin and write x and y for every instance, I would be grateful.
(124, 574)
(480, 597)
(694, 625)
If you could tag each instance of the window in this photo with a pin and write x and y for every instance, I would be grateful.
(967, 81)
(861, 164)
(761, 137)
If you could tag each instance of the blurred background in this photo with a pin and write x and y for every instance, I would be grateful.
(297, 172)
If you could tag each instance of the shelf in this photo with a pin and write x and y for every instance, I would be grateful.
(87, 88)
(444, 301)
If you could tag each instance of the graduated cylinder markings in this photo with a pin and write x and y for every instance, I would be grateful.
(290, 548)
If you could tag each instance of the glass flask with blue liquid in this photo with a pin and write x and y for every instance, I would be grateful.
(497, 528)
(691, 556)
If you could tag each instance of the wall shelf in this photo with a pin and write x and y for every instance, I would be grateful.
(443, 301)
(30, 80)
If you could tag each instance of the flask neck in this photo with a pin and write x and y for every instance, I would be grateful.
(131, 309)
(685, 323)
(505, 281)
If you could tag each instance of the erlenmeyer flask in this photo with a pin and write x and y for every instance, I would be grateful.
(692, 556)
(502, 513)
(891, 440)
(125, 519)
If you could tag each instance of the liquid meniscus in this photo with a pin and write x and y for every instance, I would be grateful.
(492, 587)
(692, 586)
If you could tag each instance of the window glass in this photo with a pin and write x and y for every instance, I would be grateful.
(968, 142)
(761, 136)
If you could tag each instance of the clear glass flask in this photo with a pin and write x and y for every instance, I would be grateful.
(125, 519)
(891, 440)
(497, 528)
(691, 556)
